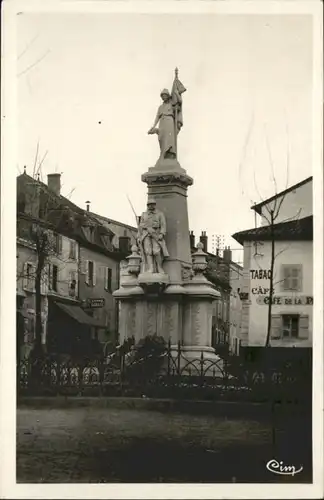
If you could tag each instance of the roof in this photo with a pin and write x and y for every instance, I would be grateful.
(78, 314)
(100, 239)
(258, 206)
(112, 221)
(297, 230)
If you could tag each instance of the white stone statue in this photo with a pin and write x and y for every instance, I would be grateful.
(169, 118)
(151, 234)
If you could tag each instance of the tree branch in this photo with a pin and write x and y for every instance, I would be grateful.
(245, 146)
(293, 218)
(271, 164)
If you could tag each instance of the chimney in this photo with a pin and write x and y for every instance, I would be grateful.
(227, 254)
(192, 240)
(54, 183)
(88, 205)
(204, 240)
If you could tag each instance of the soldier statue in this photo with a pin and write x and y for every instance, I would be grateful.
(151, 234)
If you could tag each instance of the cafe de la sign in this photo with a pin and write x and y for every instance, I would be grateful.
(289, 239)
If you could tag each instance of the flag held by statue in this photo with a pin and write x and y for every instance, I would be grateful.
(177, 89)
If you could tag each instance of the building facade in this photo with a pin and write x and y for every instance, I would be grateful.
(98, 279)
(80, 270)
(227, 277)
(289, 244)
(235, 307)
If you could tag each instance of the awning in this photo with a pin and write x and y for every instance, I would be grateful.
(79, 315)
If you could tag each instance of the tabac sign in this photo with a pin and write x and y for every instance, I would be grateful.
(301, 300)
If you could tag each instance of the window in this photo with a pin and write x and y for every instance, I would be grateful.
(58, 244)
(72, 249)
(91, 273)
(29, 329)
(292, 277)
(72, 284)
(49, 276)
(108, 279)
(53, 277)
(290, 326)
(29, 276)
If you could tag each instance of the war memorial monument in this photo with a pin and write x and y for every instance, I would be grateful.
(163, 290)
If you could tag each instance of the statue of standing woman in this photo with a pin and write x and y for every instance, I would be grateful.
(169, 118)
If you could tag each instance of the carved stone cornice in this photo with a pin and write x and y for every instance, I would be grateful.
(163, 178)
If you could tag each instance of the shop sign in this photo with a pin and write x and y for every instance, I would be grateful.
(302, 300)
(260, 290)
(95, 303)
(260, 274)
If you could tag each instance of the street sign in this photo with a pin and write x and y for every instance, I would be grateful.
(95, 303)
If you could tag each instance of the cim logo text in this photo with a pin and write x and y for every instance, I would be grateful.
(280, 468)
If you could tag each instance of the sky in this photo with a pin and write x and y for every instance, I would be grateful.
(88, 92)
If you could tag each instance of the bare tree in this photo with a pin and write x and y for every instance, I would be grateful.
(272, 212)
(42, 227)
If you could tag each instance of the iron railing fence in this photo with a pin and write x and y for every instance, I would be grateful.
(168, 373)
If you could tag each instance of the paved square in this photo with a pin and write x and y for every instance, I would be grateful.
(125, 445)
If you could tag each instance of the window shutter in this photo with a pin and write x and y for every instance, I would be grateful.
(60, 244)
(285, 275)
(94, 274)
(300, 274)
(109, 279)
(276, 326)
(303, 327)
(32, 328)
(43, 282)
(87, 272)
(72, 249)
(33, 287)
(50, 276)
(106, 278)
(56, 243)
(25, 279)
(292, 277)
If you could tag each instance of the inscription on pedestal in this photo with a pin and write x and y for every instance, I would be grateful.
(168, 317)
(151, 318)
(162, 196)
(131, 321)
(196, 323)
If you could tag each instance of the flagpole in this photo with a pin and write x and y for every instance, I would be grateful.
(176, 120)
(138, 231)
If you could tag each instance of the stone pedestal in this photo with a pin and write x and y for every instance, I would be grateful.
(177, 305)
(143, 314)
